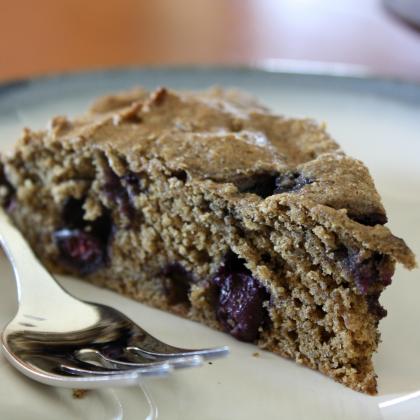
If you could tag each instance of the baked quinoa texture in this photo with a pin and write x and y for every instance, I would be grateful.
(209, 206)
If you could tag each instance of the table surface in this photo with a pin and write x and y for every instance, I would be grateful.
(49, 36)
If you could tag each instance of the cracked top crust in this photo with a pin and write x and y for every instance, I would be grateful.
(226, 136)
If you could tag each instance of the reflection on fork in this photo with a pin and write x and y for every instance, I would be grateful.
(59, 340)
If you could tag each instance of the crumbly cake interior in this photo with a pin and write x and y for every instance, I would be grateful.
(209, 206)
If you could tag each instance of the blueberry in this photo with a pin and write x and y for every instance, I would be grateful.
(177, 283)
(369, 273)
(72, 213)
(262, 184)
(181, 175)
(116, 192)
(291, 182)
(239, 301)
(80, 250)
(122, 190)
(9, 200)
(374, 306)
(266, 184)
(369, 219)
(133, 183)
(82, 244)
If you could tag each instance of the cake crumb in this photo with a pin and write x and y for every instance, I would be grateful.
(79, 393)
(256, 354)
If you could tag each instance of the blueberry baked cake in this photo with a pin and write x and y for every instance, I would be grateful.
(209, 206)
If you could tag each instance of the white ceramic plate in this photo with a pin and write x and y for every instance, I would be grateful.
(376, 121)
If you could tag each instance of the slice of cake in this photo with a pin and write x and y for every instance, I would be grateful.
(212, 207)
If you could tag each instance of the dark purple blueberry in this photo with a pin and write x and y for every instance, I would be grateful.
(80, 250)
(290, 182)
(181, 175)
(370, 219)
(262, 184)
(82, 243)
(177, 283)
(113, 187)
(266, 257)
(239, 300)
(375, 307)
(133, 183)
(122, 190)
(72, 216)
(369, 273)
(11, 203)
(116, 192)
(73, 212)
(101, 227)
(268, 183)
(9, 200)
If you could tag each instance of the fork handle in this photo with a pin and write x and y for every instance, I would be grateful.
(26, 266)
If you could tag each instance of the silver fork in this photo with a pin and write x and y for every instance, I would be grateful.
(59, 340)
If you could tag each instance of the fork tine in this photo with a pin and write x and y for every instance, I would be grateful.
(95, 357)
(175, 352)
(180, 361)
(52, 363)
(86, 368)
(148, 346)
(89, 355)
(164, 370)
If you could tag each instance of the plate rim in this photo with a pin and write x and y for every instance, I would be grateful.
(346, 74)
(364, 81)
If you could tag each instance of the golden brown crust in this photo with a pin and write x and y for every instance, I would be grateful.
(224, 135)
